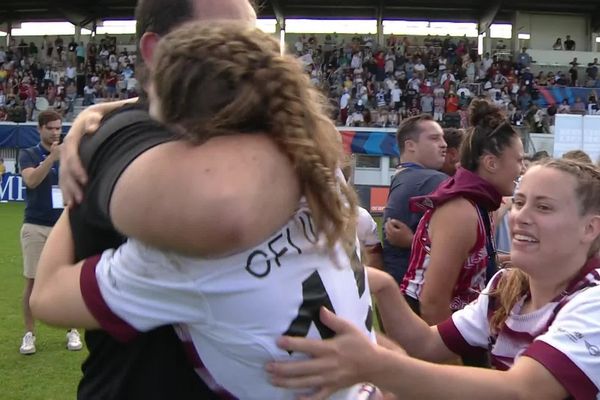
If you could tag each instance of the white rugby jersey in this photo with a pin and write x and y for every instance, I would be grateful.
(366, 228)
(563, 336)
(230, 311)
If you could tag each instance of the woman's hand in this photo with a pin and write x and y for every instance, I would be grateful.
(335, 363)
(73, 176)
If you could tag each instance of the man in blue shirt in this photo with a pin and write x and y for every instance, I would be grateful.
(39, 170)
(422, 153)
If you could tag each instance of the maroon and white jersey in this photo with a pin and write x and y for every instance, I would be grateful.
(563, 336)
(471, 280)
(230, 311)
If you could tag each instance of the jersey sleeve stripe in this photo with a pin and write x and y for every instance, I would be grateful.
(574, 380)
(455, 341)
(92, 296)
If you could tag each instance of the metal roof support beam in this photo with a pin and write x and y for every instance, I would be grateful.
(279, 15)
(380, 11)
(488, 15)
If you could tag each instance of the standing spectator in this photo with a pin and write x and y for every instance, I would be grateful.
(380, 66)
(570, 44)
(33, 52)
(71, 95)
(72, 51)
(92, 53)
(2, 168)
(39, 169)
(446, 80)
(396, 93)
(524, 59)
(592, 71)
(111, 85)
(70, 73)
(390, 60)
(558, 44)
(344, 103)
(415, 108)
(452, 103)
(419, 69)
(47, 47)
(573, 71)
(59, 45)
(80, 52)
(439, 106)
(427, 104)
(524, 99)
(51, 93)
(422, 153)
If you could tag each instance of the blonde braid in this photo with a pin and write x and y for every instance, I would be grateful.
(214, 80)
(513, 285)
(300, 127)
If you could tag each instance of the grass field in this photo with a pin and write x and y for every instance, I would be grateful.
(53, 372)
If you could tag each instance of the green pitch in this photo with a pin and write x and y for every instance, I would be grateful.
(53, 372)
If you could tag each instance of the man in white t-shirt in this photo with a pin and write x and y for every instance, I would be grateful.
(396, 93)
(70, 73)
(419, 69)
(344, 102)
(486, 62)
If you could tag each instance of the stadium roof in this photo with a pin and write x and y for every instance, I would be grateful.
(84, 12)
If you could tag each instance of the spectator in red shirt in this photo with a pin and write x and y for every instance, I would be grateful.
(452, 104)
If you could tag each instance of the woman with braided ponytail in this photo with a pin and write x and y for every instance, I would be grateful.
(540, 320)
(207, 82)
(453, 247)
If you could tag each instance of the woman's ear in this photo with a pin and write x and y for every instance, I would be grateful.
(592, 229)
(490, 163)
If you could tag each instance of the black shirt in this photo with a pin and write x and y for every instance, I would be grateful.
(569, 44)
(154, 365)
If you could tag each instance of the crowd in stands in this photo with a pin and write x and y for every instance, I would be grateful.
(379, 86)
(55, 74)
(368, 84)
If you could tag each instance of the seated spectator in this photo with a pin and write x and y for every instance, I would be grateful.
(592, 108)
(89, 93)
(564, 107)
(60, 106)
(579, 106)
